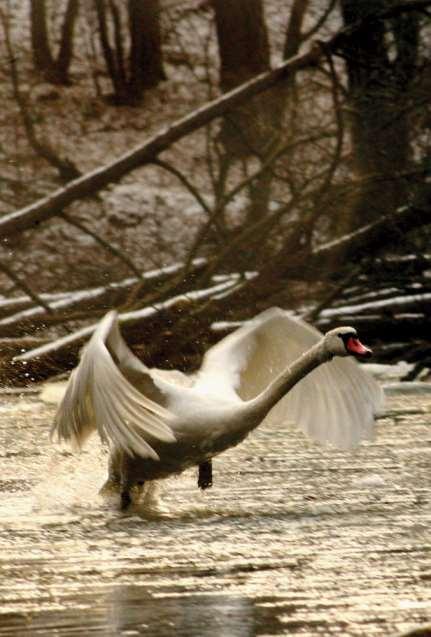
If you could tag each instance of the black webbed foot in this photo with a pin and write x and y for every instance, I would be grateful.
(125, 500)
(205, 476)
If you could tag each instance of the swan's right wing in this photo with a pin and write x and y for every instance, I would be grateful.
(105, 393)
(335, 403)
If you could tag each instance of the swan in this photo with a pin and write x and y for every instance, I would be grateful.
(160, 422)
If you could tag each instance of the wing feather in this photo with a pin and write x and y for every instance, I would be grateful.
(336, 403)
(100, 397)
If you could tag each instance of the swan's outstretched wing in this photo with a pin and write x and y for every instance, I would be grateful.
(335, 403)
(113, 392)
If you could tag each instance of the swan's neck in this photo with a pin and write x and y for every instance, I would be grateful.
(275, 391)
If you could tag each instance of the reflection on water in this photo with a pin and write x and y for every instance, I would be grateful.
(204, 615)
(292, 539)
(130, 611)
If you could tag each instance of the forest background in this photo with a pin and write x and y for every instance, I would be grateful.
(196, 162)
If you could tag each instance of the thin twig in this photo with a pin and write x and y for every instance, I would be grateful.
(320, 22)
(22, 285)
(313, 315)
(183, 179)
(105, 244)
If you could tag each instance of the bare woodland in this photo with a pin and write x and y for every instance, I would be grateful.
(192, 163)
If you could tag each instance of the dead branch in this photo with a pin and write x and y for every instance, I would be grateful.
(116, 252)
(210, 304)
(318, 264)
(22, 285)
(86, 304)
(153, 324)
(363, 242)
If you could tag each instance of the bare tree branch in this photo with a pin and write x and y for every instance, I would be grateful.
(154, 286)
(320, 22)
(22, 285)
(186, 182)
(93, 182)
(119, 254)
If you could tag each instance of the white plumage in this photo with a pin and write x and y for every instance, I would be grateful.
(160, 422)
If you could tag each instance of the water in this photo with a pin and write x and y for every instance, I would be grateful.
(292, 539)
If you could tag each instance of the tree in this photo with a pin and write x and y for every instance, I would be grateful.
(142, 66)
(146, 63)
(244, 52)
(313, 158)
(380, 77)
(55, 70)
(251, 130)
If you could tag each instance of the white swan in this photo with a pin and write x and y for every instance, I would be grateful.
(160, 422)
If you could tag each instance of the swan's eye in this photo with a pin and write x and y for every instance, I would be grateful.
(344, 336)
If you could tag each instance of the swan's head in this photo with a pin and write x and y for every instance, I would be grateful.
(344, 341)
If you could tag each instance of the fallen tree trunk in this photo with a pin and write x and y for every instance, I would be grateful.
(332, 260)
(407, 304)
(90, 184)
(21, 303)
(152, 325)
(81, 304)
(182, 324)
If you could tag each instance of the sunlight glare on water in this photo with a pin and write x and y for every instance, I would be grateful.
(291, 538)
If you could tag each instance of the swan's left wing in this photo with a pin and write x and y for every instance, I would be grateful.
(336, 403)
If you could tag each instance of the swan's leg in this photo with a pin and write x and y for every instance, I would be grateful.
(126, 493)
(121, 478)
(126, 499)
(205, 477)
(132, 481)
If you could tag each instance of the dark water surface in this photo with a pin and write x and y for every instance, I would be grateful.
(292, 539)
